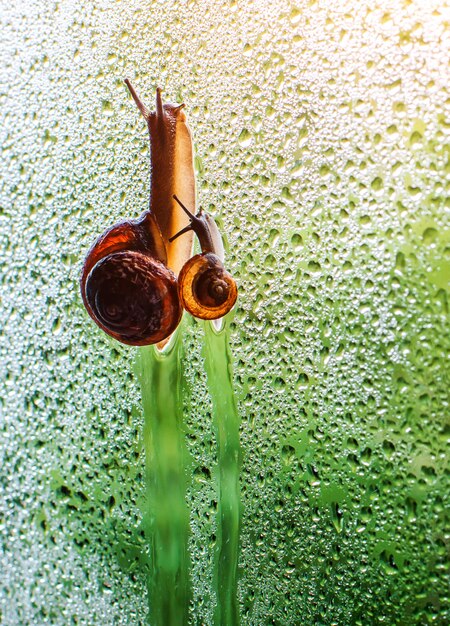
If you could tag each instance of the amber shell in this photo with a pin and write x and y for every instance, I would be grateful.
(205, 288)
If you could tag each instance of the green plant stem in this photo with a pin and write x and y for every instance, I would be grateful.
(226, 422)
(166, 517)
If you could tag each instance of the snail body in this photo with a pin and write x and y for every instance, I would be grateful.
(172, 172)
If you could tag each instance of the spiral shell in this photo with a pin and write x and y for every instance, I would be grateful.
(205, 288)
(133, 298)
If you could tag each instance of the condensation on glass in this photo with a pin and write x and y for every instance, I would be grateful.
(321, 150)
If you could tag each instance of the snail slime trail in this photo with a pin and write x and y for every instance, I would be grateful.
(166, 515)
(219, 369)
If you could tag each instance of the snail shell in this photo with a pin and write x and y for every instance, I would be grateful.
(205, 288)
(126, 287)
(133, 298)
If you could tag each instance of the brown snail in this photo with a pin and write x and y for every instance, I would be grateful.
(205, 288)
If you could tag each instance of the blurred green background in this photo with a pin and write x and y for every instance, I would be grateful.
(322, 145)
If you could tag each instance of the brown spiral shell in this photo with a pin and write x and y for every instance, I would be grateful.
(205, 288)
(126, 287)
(133, 298)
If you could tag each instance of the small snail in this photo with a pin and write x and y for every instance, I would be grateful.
(129, 279)
(205, 288)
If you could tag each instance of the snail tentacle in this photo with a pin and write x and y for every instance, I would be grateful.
(139, 103)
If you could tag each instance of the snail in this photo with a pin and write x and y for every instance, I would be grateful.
(129, 280)
(205, 288)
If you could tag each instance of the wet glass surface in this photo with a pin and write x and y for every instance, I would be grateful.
(321, 137)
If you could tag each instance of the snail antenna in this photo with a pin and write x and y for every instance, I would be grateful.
(186, 229)
(195, 224)
(140, 105)
(190, 215)
(159, 104)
